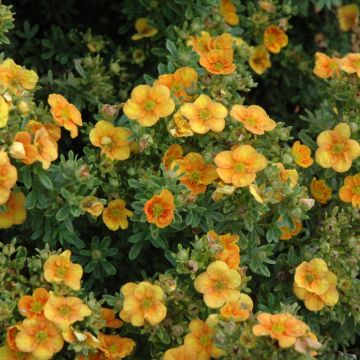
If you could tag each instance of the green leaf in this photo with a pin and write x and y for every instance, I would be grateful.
(135, 250)
(44, 179)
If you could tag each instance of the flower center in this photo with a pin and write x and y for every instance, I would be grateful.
(310, 277)
(194, 176)
(277, 328)
(157, 210)
(65, 310)
(251, 121)
(338, 148)
(204, 340)
(204, 114)
(219, 285)
(36, 307)
(356, 190)
(218, 66)
(41, 336)
(105, 140)
(149, 105)
(147, 304)
(112, 348)
(239, 167)
(61, 271)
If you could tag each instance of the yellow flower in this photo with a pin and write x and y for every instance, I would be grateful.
(23, 149)
(144, 30)
(179, 126)
(116, 347)
(228, 11)
(350, 191)
(15, 213)
(325, 66)
(301, 154)
(180, 353)
(4, 112)
(351, 64)
(46, 147)
(60, 269)
(8, 177)
(336, 149)
(174, 152)
(238, 307)
(320, 191)
(217, 283)
(286, 232)
(275, 39)
(259, 60)
(92, 205)
(143, 302)
(148, 104)
(348, 16)
(113, 141)
(115, 215)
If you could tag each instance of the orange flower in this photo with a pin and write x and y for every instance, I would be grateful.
(253, 117)
(287, 175)
(200, 341)
(204, 115)
(54, 130)
(348, 16)
(116, 347)
(41, 338)
(160, 208)
(115, 215)
(60, 269)
(200, 44)
(320, 191)
(182, 80)
(15, 78)
(4, 112)
(113, 141)
(221, 42)
(267, 6)
(144, 30)
(218, 61)
(350, 191)
(286, 232)
(7, 353)
(336, 149)
(64, 311)
(238, 307)
(301, 154)
(259, 60)
(180, 353)
(47, 149)
(284, 328)
(65, 114)
(217, 283)
(228, 12)
(325, 66)
(197, 174)
(109, 316)
(148, 104)
(143, 302)
(351, 64)
(11, 333)
(239, 166)
(33, 306)
(174, 152)
(92, 205)
(180, 126)
(22, 148)
(8, 177)
(275, 39)
(15, 213)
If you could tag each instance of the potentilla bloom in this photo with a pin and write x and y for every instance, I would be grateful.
(320, 191)
(267, 6)
(32, 306)
(217, 283)
(275, 39)
(301, 154)
(46, 147)
(181, 81)
(179, 126)
(195, 173)
(325, 66)
(239, 166)
(174, 152)
(286, 232)
(254, 118)
(113, 141)
(180, 353)
(159, 210)
(110, 317)
(148, 104)
(15, 78)
(9, 354)
(228, 11)
(348, 16)
(92, 205)
(15, 212)
(65, 114)
(143, 302)
(307, 344)
(144, 30)
(238, 307)
(350, 191)
(54, 130)
(200, 340)
(11, 333)
(64, 311)
(204, 115)
(23, 149)
(259, 60)
(283, 327)
(41, 338)
(287, 175)
(221, 42)
(4, 112)
(336, 149)
(116, 347)
(115, 215)
(218, 62)
(351, 64)
(200, 43)
(8, 177)
(60, 269)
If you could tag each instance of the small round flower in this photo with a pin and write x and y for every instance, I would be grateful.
(218, 61)
(144, 30)
(253, 117)
(110, 317)
(8, 177)
(301, 154)
(33, 306)
(275, 39)
(320, 191)
(174, 152)
(15, 213)
(238, 307)
(239, 166)
(204, 115)
(116, 347)
(160, 208)
(23, 149)
(217, 283)
(350, 191)
(286, 232)
(325, 66)
(148, 104)
(348, 16)
(46, 147)
(60, 269)
(179, 126)
(259, 60)
(92, 205)
(113, 141)
(351, 64)
(115, 215)
(228, 11)
(180, 353)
